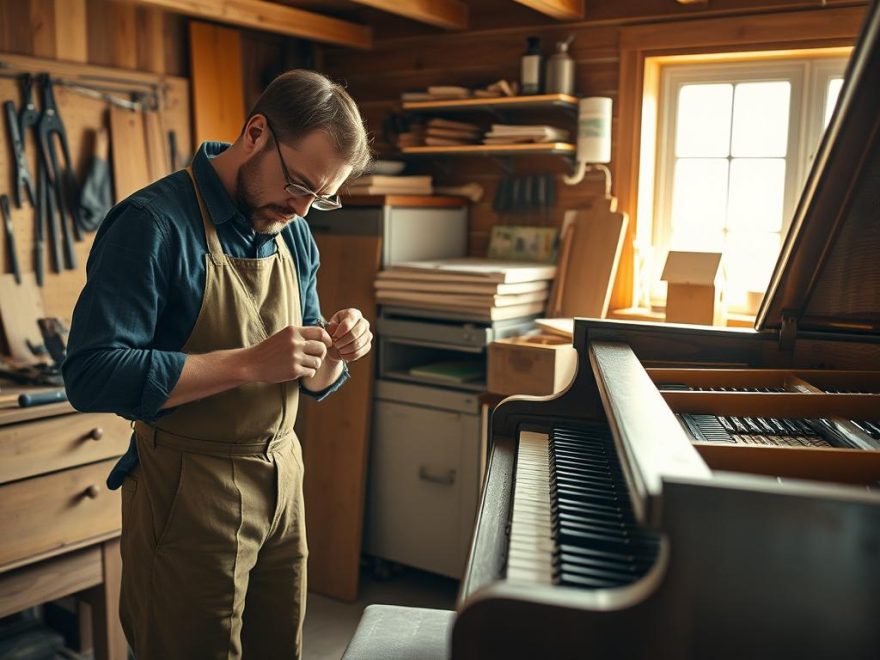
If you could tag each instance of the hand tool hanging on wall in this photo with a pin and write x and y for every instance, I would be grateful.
(49, 127)
(10, 237)
(50, 214)
(96, 194)
(29, 117)
(39, 231)
(23, 180)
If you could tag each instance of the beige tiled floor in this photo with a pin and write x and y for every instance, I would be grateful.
(330, 623)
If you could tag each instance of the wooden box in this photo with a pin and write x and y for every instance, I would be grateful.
(538, 365)
(694, 288)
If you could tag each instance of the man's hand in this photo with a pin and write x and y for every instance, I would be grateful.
(351, 335)
(289, 354)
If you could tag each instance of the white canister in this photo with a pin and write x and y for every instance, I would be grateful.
(594, 130)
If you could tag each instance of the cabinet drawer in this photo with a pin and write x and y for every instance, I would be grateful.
(41, 446)
(55, 510)
(422, 486)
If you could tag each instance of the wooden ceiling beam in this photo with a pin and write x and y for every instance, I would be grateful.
(271, 17)
(563, 10)
(447, 14)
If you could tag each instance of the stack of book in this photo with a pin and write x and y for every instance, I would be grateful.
(477, 289)
(511, 134)
(438, 132)
(377, 184)
(438, 93)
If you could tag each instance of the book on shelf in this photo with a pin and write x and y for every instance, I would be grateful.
(477, 270)
(391, 180)
(449, 91)
(453, 300)
(389, 190)
(447, 142)
(513, 140)
(416, 96)
(486, 289)
(438, 122)
(539, 132)
(436, 131)
(452, 371)
(476, 314)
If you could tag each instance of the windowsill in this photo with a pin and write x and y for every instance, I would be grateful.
(643, 314)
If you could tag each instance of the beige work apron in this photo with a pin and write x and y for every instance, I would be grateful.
(213, 529)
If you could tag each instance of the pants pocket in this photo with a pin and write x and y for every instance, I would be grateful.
(162, 528)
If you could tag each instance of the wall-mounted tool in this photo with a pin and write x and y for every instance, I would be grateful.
(49, 128)
(10, 237)
(23, 180)
(96, 194)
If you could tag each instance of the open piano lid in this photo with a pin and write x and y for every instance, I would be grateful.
(827, 277)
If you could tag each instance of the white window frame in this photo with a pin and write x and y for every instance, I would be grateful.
(809, 77)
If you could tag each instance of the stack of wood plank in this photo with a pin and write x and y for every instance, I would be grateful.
(481, 289)
(378, 184)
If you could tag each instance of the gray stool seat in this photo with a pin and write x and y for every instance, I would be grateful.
(389, 632)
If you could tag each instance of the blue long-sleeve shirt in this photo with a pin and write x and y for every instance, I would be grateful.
(144, 288)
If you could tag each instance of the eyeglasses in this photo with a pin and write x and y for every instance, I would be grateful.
(322, 202)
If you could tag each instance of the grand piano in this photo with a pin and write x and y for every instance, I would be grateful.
(701, 492)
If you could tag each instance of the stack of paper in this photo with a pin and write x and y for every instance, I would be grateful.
(482, 289)
(510, 134)
(377, 184)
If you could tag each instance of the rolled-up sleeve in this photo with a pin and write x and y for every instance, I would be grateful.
(110, 364)
(308, 273)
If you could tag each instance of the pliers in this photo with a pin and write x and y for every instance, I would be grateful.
(23, 180)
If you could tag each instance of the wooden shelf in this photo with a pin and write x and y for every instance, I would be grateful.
(536, 149)
(504, 103)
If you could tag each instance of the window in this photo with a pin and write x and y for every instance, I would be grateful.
(734, 145)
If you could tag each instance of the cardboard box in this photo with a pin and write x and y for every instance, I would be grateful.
(539, 365)
(694, 284)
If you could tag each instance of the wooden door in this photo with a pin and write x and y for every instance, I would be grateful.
(335, 432)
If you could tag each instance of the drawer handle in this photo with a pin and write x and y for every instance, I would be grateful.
(92, 491)
(443, 479)
(96, 433)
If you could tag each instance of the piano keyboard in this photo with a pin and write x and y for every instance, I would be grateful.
(772, 431)
(779, 432)
(572, 523)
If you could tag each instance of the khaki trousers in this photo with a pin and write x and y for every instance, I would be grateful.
(214, 549)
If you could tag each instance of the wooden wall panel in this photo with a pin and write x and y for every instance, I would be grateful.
(101, 32)
(215, 59)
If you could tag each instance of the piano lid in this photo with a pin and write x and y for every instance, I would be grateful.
(827, 277)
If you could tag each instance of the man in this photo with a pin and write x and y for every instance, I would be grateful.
(200, 320)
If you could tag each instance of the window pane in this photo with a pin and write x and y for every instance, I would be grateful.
(699, 198)
(749, 258)
(757, 190)
(760, 119)
(834, 86)
(703, 125)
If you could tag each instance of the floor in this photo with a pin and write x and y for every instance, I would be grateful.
(330, 623)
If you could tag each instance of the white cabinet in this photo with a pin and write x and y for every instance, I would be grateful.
(424, 480)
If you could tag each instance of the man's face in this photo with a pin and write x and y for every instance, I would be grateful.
(260, 190)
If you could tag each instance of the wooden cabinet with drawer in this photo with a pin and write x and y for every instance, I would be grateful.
(59, 523)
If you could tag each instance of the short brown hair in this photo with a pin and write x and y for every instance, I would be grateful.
(300, 101)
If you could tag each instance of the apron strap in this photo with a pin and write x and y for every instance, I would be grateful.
(214, 247)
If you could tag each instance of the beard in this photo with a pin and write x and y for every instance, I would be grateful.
(263, 219)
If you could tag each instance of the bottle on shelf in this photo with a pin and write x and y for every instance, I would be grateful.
(531, 67)
(560, 70)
